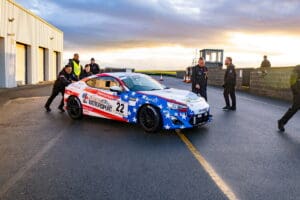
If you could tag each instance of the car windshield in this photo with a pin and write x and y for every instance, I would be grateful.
(142, 83)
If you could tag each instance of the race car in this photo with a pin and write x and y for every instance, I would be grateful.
(135, 98)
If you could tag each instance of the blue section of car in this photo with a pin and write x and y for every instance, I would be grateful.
(172, 118)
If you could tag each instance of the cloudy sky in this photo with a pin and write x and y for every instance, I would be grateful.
(165, 34)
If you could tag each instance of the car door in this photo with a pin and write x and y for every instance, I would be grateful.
(106, 103)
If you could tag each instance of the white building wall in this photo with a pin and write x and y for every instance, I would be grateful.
(18, 25)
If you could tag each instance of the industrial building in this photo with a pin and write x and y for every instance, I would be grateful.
(30, 48)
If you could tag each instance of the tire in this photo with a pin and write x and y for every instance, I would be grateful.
(150, 118)
(74, 107)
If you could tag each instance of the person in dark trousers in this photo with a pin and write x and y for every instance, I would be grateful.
(64, 78)
(76, 67)
(199, 78)
(95, 69)
(86, 72)
(229, 85)
(295, 86)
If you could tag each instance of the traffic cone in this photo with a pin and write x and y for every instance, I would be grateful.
(161, 78)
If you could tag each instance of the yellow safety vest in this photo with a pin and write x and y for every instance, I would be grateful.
(77, 68)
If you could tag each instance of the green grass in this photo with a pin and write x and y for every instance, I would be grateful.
(157, 72)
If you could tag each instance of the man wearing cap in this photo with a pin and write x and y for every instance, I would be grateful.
(95, 69)
(295, 86)
(77, 69)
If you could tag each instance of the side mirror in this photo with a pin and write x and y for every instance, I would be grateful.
(116, 89)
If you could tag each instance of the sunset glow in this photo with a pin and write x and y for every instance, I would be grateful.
(164, 34)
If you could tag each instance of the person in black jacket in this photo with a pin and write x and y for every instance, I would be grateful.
(295, 86)
(265, 63)
(199, 78)
(64, 78)
(95, 69)
(86, 72)
(229, 85)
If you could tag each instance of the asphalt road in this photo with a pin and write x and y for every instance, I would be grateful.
(49, 156)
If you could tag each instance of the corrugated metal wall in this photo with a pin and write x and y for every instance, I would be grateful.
(18, 25)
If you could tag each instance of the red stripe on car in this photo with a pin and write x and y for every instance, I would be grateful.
(101, 94)
(103, 113)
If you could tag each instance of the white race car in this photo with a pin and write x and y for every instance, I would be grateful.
(135, 98)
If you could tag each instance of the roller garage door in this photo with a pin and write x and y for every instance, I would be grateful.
(21, 64)
(2, 62)
(55, 63)
(41, 64)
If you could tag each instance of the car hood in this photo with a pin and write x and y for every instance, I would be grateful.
(182, 96)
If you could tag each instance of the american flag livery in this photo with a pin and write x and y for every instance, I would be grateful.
(136, 98)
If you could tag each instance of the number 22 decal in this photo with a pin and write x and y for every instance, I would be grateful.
(120, 107)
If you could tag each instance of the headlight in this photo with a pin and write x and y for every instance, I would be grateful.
(177, 106)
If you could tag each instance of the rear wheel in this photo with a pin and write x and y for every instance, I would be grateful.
(74, 107)
(150, 118)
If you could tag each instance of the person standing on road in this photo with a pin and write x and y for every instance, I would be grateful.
(64, 78)
(76, 67)
(229, 85)
(295, 86)
(95, 69)
(86, 72)
(199, 78)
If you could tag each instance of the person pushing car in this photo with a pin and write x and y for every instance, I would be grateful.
(64, 78)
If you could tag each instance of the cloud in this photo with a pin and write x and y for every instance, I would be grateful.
(125, 24)
(107, 24)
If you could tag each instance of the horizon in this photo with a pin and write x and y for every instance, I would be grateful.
(164, 34)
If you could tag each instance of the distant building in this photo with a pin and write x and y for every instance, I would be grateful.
(213, 57)
(30, 48)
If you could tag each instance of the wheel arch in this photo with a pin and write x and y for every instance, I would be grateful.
(147, 104)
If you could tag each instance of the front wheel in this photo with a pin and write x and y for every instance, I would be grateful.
(74, 107)
(150, 118)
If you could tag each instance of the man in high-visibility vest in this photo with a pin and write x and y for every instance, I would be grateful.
(76, 67)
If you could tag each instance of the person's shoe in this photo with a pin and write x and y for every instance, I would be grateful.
(233, 108)
(61, 109)
(281, 126)
(226, 108)
(47, 109)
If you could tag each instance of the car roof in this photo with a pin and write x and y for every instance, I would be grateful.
(122, 74)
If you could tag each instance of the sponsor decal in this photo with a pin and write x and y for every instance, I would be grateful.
(102, 104)
(132, 101)
(85, 97)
